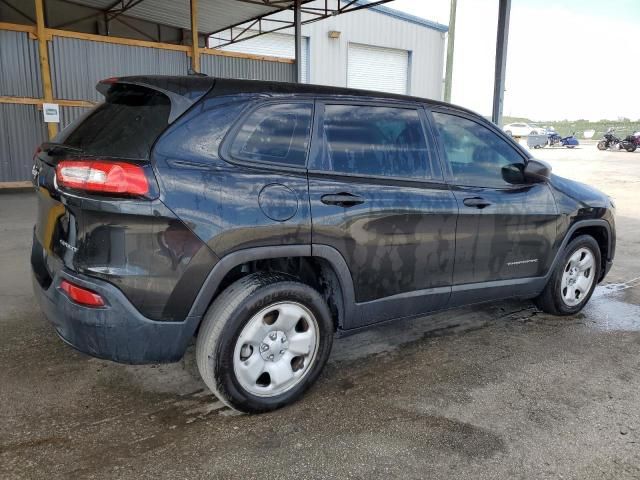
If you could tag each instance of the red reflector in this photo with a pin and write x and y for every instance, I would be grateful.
(81, 295)
(105, 177)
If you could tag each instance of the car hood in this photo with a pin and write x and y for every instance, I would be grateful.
(580, 192)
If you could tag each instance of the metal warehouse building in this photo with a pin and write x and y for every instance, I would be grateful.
(55, 51)
(375, 49)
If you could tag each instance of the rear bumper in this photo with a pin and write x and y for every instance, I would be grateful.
(115, 332)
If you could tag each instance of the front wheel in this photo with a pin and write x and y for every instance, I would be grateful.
(574, 278)
(263, 342)
(602, 145)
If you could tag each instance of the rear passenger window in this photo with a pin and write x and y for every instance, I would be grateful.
(275, 133)
(379, 141)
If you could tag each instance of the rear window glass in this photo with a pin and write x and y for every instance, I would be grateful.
(125, 126)
(277, 133)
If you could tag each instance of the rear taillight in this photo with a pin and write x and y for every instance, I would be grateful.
(81, 295)
(119, 178)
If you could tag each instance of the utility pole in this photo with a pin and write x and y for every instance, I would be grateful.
(450, 45)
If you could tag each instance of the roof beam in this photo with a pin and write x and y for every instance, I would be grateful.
(321, 14)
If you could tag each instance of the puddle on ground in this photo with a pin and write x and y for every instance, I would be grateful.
(612, 307)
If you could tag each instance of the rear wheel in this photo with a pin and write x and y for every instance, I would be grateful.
(630, 148)
(263, 342)
(575, 276)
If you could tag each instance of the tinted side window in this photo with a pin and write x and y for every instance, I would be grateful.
(276, 133)
(368, 140)
(477, 156)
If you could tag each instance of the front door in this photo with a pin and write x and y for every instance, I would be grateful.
(378, 198)
(507, 227)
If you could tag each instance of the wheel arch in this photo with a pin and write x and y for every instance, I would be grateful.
(319, 266)
(600, 230)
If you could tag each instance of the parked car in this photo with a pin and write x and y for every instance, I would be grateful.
(265, 218)
(523, 129)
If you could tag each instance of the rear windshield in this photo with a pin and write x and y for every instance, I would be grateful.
(125, 126)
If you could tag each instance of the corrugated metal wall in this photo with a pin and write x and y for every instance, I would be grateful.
(19, 65)
(77, 65)
(21, 131)
(231, 67)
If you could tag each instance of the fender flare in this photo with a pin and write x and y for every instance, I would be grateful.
(232, 260)
(600, 222)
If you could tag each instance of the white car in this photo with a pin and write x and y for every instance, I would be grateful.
(523, 129)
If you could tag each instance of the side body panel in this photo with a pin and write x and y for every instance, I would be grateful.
(227, 205)
(398, 243)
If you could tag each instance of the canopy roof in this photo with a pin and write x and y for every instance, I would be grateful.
(216, 16)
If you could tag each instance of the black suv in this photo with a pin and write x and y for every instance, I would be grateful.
(262, 218)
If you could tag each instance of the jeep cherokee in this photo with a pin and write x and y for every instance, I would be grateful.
(265, 218)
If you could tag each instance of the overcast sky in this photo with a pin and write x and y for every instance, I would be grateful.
(567, 58)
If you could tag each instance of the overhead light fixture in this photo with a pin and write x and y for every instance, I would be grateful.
(334, 34)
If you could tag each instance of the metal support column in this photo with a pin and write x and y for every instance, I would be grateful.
(43, 48)
(450, 47)
(501, 60)
(297, 20)
(195, 42)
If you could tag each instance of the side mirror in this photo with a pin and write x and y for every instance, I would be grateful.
(537, 171)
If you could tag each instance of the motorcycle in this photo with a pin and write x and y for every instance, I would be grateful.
(631, 142)
(569, 141)
(610, 140)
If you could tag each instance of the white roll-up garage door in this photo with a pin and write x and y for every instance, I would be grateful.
(275, 45)
(377, 68)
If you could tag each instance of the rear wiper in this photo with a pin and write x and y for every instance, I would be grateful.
(53, 147)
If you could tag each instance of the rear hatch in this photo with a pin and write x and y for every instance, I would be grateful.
(97, 207)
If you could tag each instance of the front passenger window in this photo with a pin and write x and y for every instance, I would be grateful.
(477, 156)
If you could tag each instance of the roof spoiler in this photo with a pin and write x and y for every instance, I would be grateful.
(181, 95)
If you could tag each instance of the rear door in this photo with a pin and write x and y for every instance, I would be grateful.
(506, 227)
(378, 197)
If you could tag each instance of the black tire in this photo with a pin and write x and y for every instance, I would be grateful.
(550, 300)
(602, 145)
(630, 148)
(225, 320)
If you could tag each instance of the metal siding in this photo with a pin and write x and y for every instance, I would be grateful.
(230, 67)
(21, 131)
(328, 57)
(78, 65)
(19, 65)
(275, 45)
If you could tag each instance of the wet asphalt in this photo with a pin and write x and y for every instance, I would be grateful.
(497, 391)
